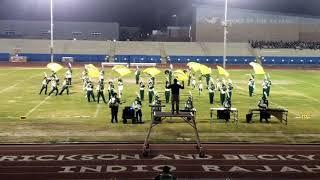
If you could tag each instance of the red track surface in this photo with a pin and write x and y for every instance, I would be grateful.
(124, 161)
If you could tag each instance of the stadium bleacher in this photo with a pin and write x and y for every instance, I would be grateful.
(150, 52)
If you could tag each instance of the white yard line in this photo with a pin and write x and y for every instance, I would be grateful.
(97, 111)
(21, 81)
(300, 81)
(33, 109)
(301, 94)
(297, 115)
(1, 74)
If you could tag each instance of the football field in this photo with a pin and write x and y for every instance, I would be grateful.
(70, 118)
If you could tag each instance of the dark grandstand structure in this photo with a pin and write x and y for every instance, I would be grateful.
(253, 25)
(251, 34)
(63, 30)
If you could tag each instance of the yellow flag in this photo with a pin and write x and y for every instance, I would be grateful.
(222, 71)
(118, 67)
(194, 66)
(258, 69)
(180, 75)
(152, 71)
(204, 69)
(123, 71)
(55, 67)
(93, 71)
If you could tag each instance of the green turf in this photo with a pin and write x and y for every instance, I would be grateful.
(72, 119)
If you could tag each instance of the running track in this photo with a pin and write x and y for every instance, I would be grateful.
(124, 161)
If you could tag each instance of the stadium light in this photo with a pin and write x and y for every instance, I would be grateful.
(225, 34)
(51, 30)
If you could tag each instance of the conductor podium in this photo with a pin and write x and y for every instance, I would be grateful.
(158, 117)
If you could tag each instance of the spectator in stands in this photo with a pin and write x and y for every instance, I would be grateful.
(175, 93)
(165, 175)
(315, 45)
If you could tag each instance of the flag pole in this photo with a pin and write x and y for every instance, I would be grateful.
(225, 34)
(51, 30)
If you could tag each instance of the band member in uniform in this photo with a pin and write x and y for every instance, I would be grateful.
(268, 86)
(114, 103)
(167, 92)
(54, 86)
(65, 86)
(111, 89)
(101, 76)
(193, 82)
(142, 86)
(150, 91)
(89, 89)
(45, 83)
(200, 87)
(175, 92)
(68, 76)
(223, 91)
(229, 89)
(170, 73)
(265, 87)
(189, 77)
(189, 104)
(120, 87)
(263, 105)
(218, 84)
(251, 86)
(211, 92)
(137, 73)
(100, 89)
(84, 75)
(153, 80)
(86, 81)
(137, 105)
(55, 77)
(208, 79)
(227, 108)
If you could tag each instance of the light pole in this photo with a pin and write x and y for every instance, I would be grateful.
(225, 34)
(51, 30)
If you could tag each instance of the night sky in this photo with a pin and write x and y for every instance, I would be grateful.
(147, 14)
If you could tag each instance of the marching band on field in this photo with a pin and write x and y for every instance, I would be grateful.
(114, 98)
